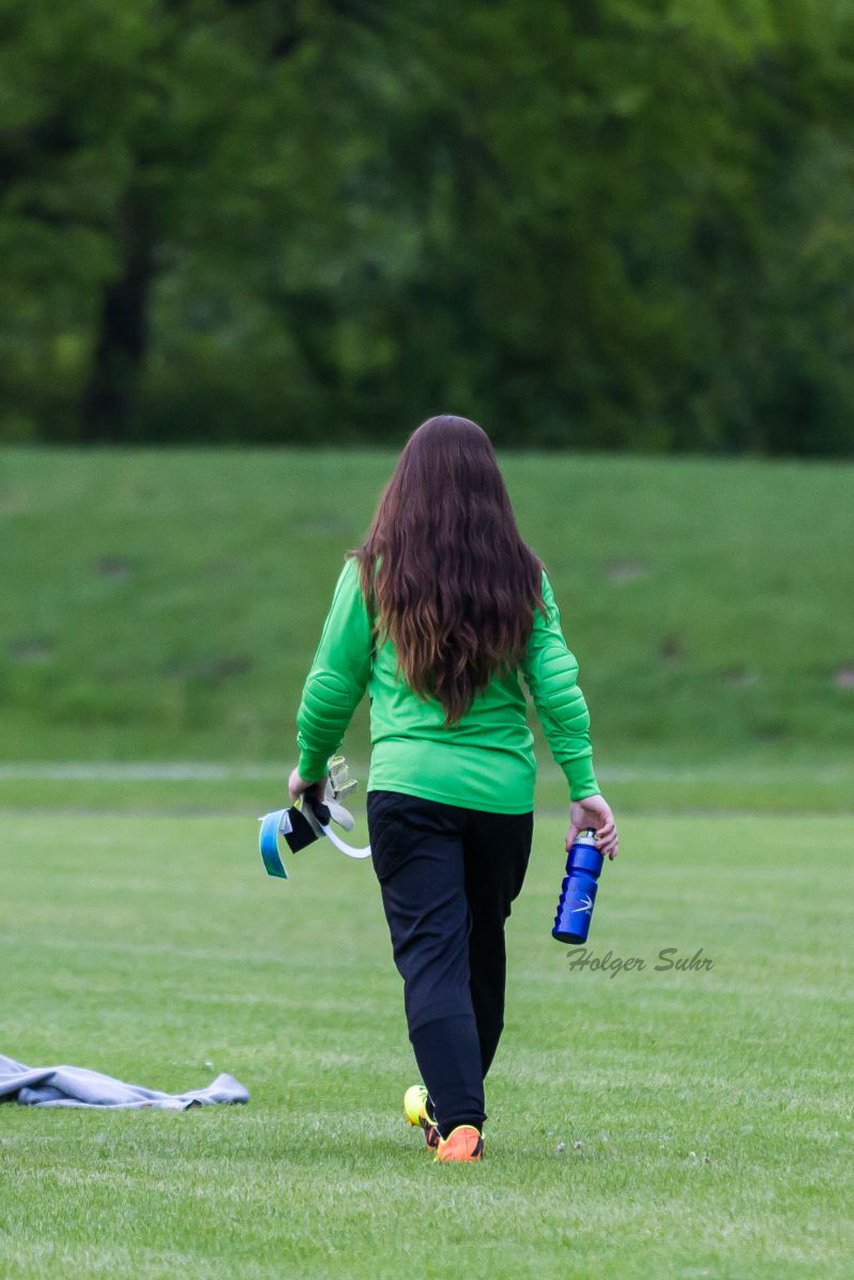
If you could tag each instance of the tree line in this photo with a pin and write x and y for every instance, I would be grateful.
(598, 223)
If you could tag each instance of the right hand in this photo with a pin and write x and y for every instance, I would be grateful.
(298, 786)
(595, 812)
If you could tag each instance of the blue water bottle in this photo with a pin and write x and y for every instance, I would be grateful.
(578, 892)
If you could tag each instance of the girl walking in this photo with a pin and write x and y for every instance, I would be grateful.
(437, 616)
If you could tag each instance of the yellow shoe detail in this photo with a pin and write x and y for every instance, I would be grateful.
(415, 1104)
(416, 1112)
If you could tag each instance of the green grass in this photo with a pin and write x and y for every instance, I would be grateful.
(650, 1125)
(176, 788)
(166, 605)
(646, 1126)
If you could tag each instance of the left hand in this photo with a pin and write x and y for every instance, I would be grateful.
(297, 786)
(594, 812)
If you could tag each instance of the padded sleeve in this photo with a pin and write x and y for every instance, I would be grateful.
(338, 677)
(551, 673)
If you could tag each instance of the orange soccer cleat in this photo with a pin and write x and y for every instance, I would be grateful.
(463, 1145)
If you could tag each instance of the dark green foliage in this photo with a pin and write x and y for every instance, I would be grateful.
(618, 223)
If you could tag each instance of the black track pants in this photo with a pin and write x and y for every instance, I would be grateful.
(448, 876)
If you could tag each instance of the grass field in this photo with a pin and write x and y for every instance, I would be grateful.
(649, 1124)
(157, 616)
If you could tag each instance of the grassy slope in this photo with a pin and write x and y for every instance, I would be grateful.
(165, 605)
(650, 1125)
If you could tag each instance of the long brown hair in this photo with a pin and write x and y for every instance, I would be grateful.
(445, 569)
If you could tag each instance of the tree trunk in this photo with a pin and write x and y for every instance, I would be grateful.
(118, 360)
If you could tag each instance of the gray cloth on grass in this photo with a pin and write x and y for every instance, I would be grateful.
(80, 1087)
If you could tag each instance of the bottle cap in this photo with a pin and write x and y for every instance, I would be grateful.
(586, 837)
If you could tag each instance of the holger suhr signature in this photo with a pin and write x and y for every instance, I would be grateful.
(667, 960)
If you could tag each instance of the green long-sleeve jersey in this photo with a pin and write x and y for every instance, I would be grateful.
(486, 761)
